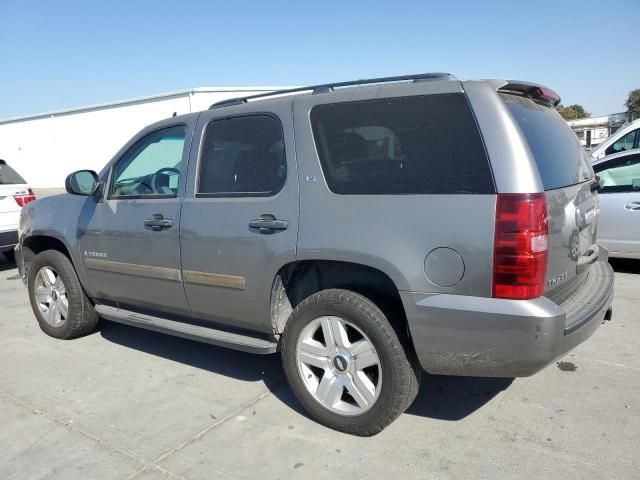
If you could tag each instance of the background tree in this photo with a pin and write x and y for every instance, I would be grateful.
(573, 112)
(633, 104)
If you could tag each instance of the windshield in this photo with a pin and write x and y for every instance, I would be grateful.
(560, 158)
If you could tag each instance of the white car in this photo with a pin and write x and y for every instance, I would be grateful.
(625, 139)
(619, 224)
(14, 194)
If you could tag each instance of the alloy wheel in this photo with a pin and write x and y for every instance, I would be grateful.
(51, 296)
(339, 365)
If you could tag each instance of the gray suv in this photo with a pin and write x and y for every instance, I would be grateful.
(367, 230)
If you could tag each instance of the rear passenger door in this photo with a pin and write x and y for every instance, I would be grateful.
(240, 216)
(619, 225)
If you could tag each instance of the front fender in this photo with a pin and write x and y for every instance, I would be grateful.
(58, 218)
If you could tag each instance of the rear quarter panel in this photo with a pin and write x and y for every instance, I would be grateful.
(393, 233)
(9, 208)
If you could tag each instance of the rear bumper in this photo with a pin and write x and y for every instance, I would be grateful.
(8, 240)
(489, 337)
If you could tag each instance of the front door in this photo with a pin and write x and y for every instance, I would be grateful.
(240, 215)
(619, 224)
(131, 248)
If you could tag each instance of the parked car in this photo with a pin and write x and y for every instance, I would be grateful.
(14, 194)
(416, 222)
(624, 139)
(619, 226)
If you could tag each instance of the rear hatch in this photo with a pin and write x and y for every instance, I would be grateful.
(572, 205)
(13, 191)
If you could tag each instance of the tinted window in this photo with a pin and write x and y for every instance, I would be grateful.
(558, 153)
(404, 145)
(243, 156)
(8, 175)
(151, 167)
(626, 142)
(620, 175)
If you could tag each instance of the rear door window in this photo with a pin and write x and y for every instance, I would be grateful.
(8, 176)
(560, 158)
(242, 156)
(404, 145)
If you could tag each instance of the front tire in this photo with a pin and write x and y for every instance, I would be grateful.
(346, 364)
(58, 301)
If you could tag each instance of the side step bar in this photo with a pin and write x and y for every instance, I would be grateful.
(185, 330)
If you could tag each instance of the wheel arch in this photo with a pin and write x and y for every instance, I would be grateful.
(38, 242)
(297, 280)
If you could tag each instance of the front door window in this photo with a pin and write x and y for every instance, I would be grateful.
(151, 168)
(620, 175)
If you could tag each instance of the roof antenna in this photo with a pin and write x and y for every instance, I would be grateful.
(174, 114)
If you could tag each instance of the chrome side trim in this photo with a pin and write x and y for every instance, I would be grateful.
(214, 279)
(148, 271)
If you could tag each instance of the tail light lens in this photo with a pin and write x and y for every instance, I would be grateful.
(520, 246)
(22, 200)
(546, 95)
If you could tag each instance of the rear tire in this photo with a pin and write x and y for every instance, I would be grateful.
(325, 375)
(58, 301)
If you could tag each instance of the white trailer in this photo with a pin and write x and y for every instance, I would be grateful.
(45, 148)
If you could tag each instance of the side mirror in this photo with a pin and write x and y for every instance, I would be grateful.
(82, 182)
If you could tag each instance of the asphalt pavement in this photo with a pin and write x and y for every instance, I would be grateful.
(125, 403)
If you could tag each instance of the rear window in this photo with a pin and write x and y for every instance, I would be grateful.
(404, 145)
(8, 176)
(560, 158)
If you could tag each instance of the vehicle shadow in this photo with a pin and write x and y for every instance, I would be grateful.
(5, 264)
(441, 397)
(625, 265)
(453, 398)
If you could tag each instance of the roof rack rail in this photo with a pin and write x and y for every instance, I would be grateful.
(327, 87)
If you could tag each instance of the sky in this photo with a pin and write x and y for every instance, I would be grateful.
(63, 54)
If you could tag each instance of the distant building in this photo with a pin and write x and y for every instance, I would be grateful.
(592, 131)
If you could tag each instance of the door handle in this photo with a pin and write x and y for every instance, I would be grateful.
(268, 223)
(632, 206)
(157, 222)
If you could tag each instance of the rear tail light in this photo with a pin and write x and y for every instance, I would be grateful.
(520, 245)
(22, 200)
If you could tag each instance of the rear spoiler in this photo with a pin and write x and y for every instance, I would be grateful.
(537, 93)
